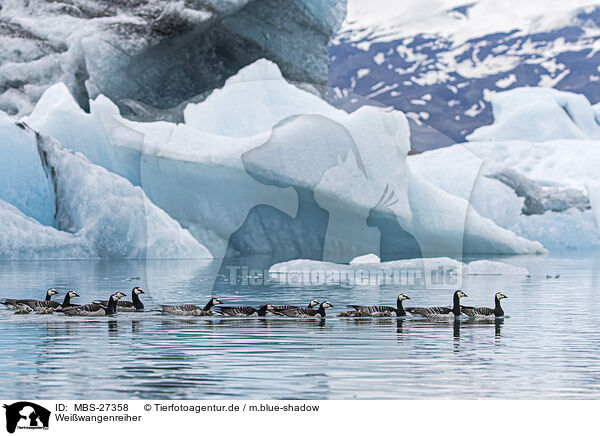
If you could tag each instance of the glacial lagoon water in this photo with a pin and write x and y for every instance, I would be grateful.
(548, 345)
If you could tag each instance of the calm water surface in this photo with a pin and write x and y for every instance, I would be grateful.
(547, 347)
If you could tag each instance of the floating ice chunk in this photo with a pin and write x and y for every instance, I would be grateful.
(488, 267)
(539, 114)
(365, 259)
(306, 272)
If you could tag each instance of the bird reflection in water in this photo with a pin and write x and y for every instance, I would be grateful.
(496, 322)
(112, 328)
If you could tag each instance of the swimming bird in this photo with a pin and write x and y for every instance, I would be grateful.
(22, 310)
(191, 309)
(277, 308)
(306, 312)
(129, 306)
(96, 309)
(497, 311)
(245, 310)
(379, 310)
(14, 303)
(441, 312)
(44, 310)
(353, 314)
(45, 307)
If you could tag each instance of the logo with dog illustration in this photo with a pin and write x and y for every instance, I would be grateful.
(26, 415)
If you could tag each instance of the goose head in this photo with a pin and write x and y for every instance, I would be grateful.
(500, 296)
(138, 291)
(216, 301)
(72, 294)
(403, 297)
(326, 304)
(51, 292)
(313, 303)
(117, 295)
(460, 294)
(268, 307)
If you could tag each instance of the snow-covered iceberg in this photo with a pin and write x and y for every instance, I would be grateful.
(539, 114)
(262, 166)
(86, 211)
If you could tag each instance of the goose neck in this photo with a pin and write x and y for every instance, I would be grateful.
(498, 311)
(400, 311)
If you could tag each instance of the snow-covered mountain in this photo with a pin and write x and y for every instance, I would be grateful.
(441, 61)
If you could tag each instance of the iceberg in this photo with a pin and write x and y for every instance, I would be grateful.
(488, 267)
(262, 166)
(539, 187)
(95, 213)
(157, 52)
(539, 114)
(365, 259)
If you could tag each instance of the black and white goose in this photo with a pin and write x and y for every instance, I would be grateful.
(307, 312)
(49, 306)
(245, 310)
(278, 308)
(440, 312)
(191, 309)
(14, 303)
(96, 309)
(67, 301)
(128, 306)
(378, 310)
(487, 312)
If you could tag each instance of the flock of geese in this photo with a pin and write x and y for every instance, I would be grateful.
(314, 309)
